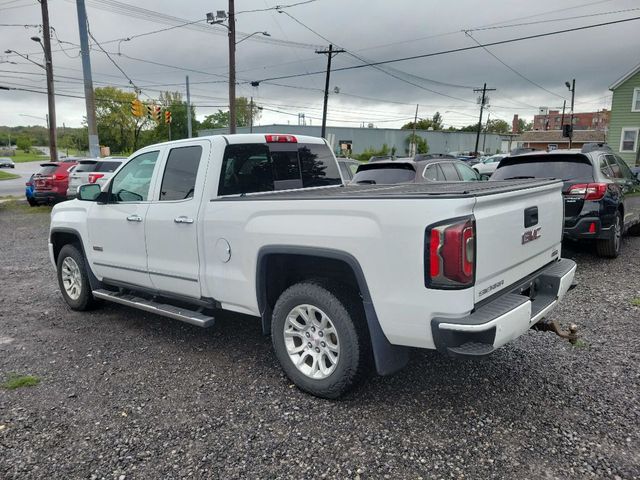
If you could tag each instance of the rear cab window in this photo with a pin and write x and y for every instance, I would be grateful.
(254, 167)
(565, 167)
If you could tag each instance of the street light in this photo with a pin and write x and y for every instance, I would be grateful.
(26, 57)
(218, 19)
(266, 34)
(572, 88)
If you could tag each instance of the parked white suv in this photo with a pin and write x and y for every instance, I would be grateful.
(92, 170)
(263, 225)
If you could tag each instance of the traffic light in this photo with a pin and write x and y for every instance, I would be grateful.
(167, 116)
(137, 109)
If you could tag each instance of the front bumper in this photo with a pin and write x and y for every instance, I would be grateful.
(507, 316)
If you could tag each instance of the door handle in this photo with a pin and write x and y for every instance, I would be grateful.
(183, 219)
(134, 218)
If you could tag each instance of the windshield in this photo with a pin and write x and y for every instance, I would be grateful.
(564, 167)
(387, 174)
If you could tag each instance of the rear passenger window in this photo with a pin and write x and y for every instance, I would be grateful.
(252, 168)
(604, 167)
(433, 173)
(450, 173)
(180, 172)
(615, 168)
(466, 173)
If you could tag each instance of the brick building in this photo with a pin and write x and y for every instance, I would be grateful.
(553, 139)
(552, 120)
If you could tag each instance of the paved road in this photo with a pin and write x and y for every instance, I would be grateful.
(16, 186)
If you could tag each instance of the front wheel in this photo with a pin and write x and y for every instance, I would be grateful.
(320, 340)
(73, 279)
(610, 247)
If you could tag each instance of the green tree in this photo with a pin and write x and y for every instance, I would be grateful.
(117, 127)
(524, 126)
(172, 101)
(434, 123)
(372, 152)
(24, 143)
(497, 126)
(421, 144)
(244, 112)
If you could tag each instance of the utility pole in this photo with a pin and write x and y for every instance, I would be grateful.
(564, 105)
(89, 98)
(413, 138)
(232, 67)
(46, 35)
(573, 96)
(189, 131)
(484, 138)
(484, 91)
(251, 115)
(330, 54)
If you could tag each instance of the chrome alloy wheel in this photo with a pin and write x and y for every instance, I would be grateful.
(71, 278)
(311, 341)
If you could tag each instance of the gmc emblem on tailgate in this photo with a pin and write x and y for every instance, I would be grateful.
(531, 235)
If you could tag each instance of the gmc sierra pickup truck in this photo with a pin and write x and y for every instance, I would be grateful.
(342, 277)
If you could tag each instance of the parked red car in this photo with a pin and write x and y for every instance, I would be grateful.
(51, 182)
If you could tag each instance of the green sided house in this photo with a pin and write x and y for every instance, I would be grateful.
(624, 126)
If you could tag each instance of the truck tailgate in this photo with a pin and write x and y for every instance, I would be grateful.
(517, 233)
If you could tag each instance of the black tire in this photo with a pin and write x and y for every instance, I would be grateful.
(347, 318)
(635, 230)
(32, 202)
(85, 300)
(610, 247)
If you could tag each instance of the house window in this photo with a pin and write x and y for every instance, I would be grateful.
(635, 104)
(629, 139)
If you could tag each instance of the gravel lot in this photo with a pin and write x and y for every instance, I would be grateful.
(125, 394)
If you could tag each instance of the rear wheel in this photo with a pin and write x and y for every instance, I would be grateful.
(73, 279)
(610, 247)
(320, 340)
(32, 202)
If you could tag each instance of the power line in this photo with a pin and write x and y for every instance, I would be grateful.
(112, 60)
(467, 33)
(277, 7)
(460, 49)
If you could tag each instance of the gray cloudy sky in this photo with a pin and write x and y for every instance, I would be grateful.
(371, 30)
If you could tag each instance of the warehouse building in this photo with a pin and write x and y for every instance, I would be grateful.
(355, 140)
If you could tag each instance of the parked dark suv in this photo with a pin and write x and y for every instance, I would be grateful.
(601, 194)
(409, 171)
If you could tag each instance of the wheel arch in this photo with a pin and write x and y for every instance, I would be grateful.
(338, 264)
(61, 236)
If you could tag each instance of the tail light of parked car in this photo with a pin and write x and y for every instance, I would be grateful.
(450, 251)
(93, 177)
(590, 191)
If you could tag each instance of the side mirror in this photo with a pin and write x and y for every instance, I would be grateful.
(89, 192)
(484, 177)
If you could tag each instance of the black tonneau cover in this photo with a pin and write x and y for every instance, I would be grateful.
(398, 191)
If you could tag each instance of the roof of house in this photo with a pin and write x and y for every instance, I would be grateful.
(625, 77)
(555, 136)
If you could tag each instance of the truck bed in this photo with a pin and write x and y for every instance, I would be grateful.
(399, 191)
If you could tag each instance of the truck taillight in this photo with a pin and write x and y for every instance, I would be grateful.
(590, 191)
(450, 249)
(280, 139)
(93, 177)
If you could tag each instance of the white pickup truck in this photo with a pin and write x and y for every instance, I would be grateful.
(340, 275)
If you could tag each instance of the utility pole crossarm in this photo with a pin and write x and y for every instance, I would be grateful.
(330, 53)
